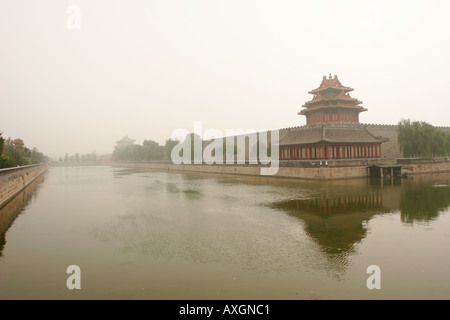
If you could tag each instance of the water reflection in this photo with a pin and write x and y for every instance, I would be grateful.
(121, 172)
(195, 235)
(336, 219)
(10, 211)
(186, 213)
(424, 201)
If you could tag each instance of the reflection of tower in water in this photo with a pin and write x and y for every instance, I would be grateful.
(347, 203)
(336, 219)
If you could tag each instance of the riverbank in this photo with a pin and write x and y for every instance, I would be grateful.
(14, 180)
(310, 170)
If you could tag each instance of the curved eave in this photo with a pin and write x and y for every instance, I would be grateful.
(345, 89)
(330, 101)
(314, 109)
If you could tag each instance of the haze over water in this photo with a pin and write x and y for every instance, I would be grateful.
(140, 234)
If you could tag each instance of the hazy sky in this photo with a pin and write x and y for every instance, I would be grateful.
(144, 68)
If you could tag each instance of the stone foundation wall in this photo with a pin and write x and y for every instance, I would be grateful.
(14, 180)
(357, 170)
(317, 173)
(422, 168)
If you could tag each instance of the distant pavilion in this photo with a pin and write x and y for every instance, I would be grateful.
(332, 129)
(124, 142)
(18, 143)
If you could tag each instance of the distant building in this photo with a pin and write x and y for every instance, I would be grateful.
(18, 144)
(333, 130)
(105, 158)
(124, 142)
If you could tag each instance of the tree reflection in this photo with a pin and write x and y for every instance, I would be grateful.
(423, 203)
(336, 219)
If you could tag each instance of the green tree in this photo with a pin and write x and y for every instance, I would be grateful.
(151, 150)
(168, 146)
(13, 156)
(421, 139)
(2, 140)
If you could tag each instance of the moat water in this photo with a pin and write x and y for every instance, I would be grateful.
(142, 234)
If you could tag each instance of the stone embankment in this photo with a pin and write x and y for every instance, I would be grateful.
(14, 180)
(313, 170)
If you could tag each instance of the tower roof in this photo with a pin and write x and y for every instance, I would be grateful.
(126, 139)
(332, 107)
(316, 134)
(331, 96)
(330, 83)
(340, 96)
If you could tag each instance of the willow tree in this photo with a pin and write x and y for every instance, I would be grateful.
(421, 139)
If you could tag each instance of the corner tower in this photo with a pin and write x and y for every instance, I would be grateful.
(332, 103)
